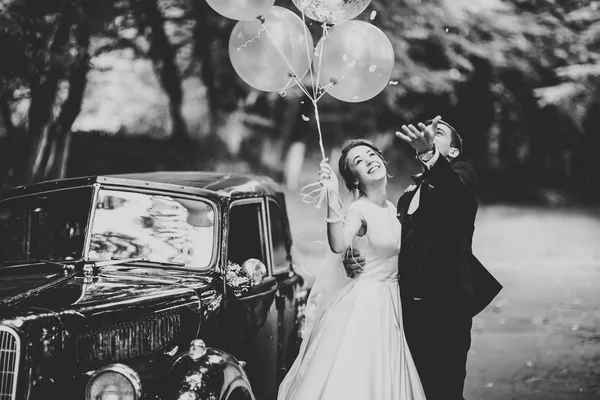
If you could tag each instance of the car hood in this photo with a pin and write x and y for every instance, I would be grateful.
(68, 312)
(118, 289)
(15, 282)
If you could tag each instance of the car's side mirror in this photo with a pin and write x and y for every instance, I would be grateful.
(241, 279)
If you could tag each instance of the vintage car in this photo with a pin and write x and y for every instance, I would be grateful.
(165, 285)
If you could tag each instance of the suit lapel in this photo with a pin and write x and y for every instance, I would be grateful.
(404, 202)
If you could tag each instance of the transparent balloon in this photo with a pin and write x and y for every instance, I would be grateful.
(259, 52)
(356, 63)
(241, 9)
(331, 11)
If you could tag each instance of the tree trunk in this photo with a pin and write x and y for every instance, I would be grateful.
(163, 53)
(10, 144)
(64, 156)
(43, 94)
(203, 35)
(55, 154)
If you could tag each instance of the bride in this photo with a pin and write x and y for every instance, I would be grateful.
(355, 348)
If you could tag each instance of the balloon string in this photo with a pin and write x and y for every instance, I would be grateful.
(283, 92)
(295, 76)
(318, 121)
(308, 50)
(300, 84)
(315, 194)
(324, 90)
(322, 44)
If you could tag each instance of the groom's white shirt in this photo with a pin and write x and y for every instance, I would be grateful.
(414, 204)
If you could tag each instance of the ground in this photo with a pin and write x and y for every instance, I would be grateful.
(540, 338)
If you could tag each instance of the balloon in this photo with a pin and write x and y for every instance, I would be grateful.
(254, 54)
(357, 61)
(241, 9)
(331, 11)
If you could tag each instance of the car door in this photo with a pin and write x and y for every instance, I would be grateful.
(288, 283)
(250, 323)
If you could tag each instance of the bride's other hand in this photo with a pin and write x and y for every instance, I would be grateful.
(327, 178)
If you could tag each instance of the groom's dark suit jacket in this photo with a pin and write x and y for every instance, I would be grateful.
(436, 261)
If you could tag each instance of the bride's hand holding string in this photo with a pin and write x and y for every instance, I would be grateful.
(327, 177)
(329, 180)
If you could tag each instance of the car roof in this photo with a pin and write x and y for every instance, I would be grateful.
(217, 184)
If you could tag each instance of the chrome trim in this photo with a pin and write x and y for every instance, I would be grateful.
(87, 242)
(269, 234)
(8, 388)
(197, 349)
(270, 223)
(137, 338)
(265, 236)
(121, 369)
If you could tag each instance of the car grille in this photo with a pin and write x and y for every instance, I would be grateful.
(10, 353)
(128, 340)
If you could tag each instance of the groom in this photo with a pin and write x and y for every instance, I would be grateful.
(441, 283)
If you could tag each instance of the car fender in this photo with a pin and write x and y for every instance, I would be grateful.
(215, 375)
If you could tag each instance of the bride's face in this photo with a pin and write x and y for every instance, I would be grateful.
(366, 165)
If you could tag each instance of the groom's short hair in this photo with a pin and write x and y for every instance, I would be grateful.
(455, 139)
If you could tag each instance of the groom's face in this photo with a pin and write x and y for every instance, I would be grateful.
(443, 141)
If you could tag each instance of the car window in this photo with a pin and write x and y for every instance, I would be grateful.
(278, 239)
(154, 226)
(246, 233)
(49, 225)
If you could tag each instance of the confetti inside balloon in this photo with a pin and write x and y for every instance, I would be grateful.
(356, 63)
(266, 56)
(331, 11)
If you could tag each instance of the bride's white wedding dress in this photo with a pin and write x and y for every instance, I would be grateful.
(356, 348)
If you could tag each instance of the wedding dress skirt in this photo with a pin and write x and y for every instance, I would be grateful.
(356, 348)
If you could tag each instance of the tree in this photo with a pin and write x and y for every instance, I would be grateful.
(152, 22)
(52, 41)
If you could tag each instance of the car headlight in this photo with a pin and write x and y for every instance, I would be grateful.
(114, 382)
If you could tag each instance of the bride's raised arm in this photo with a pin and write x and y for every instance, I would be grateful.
(342, 228)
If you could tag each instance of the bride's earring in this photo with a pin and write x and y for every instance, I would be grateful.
(356, 192)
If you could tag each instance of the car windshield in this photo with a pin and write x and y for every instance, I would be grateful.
(47, 226)
(160, 228)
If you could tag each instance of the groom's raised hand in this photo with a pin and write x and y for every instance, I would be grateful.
(420, 139)
(353, 262)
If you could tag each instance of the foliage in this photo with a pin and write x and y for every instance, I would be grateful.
(513, 78)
